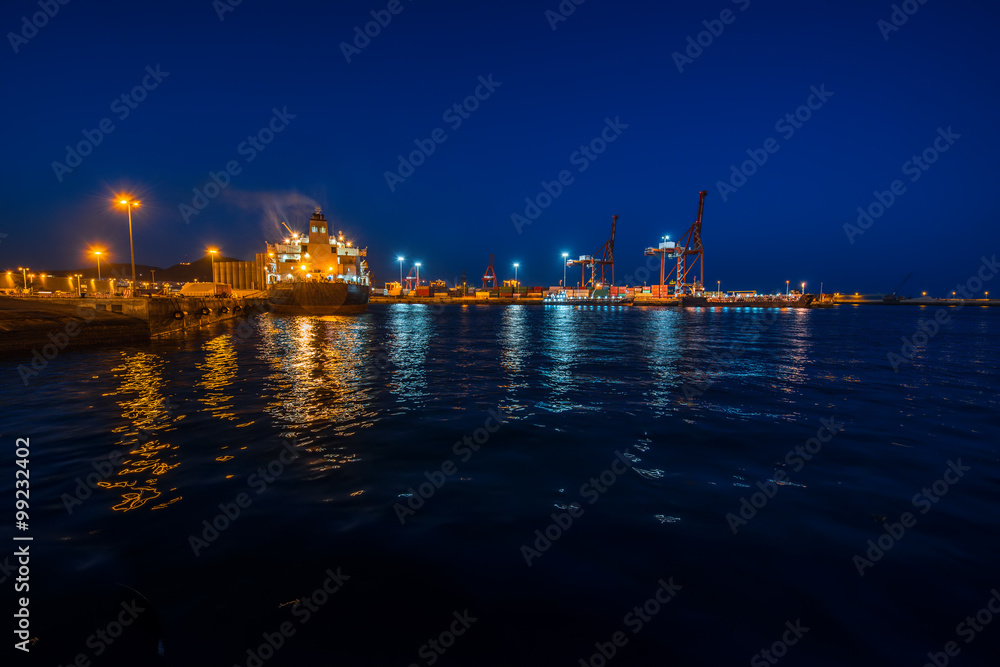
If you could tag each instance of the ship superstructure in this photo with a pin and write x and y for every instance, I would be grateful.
(318, 274)
(319, 257)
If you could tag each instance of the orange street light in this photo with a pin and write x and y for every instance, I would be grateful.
(129, 204)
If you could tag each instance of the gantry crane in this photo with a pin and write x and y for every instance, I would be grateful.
(604, 257)
(688, 252)
(490, 276)
(411, 278)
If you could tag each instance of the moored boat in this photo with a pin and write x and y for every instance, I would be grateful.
(318, 274)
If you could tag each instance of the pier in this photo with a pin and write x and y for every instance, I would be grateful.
(31, 322)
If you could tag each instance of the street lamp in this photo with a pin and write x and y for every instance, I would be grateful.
(515, 273)
(98, 253)
(718, 288)
(786, 288)
(417, 264)
(400, 260)
(803, 292)
(129, 204)
(565, 255)
(24, 276)
(212, 252)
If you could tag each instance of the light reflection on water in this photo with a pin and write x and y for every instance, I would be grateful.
(514, 341)
(316, 384)
(661, 334)
(561, 348)
(410, 330)
(149, 418)
(218, 373)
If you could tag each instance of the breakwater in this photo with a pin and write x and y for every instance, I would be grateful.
(30, 323)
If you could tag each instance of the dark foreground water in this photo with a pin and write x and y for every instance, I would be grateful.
(595, 514)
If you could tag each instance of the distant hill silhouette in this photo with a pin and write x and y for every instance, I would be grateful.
(200, 270)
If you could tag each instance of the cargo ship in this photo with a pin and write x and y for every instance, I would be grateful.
(317, 274)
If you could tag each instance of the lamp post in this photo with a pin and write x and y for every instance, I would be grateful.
(565, 255)
(212, 252)
(417, 264)
(718, 288)
(515, 274)
(400, 260)
(129, 204)
(803, 292)
(98, 253)
(786, 288)
(24, 276)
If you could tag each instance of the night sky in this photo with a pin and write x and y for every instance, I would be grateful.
(211, 83)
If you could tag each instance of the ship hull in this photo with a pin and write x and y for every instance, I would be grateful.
(318, 298)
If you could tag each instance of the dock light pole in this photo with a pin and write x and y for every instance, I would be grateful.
(129, 204)
(803, 292)
(24, 276)
(718, 288)
(212, 252)
(400, 260)
(515, 273)
(565, 255)
(786, 288)
(417, 264)
(98, 253)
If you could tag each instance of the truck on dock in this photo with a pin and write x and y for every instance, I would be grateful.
(207, 290)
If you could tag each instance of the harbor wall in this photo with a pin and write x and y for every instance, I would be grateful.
(28, 323)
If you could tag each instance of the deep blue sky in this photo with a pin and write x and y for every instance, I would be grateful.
(607, 60)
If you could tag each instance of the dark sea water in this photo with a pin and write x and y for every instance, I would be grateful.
(676, 415)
